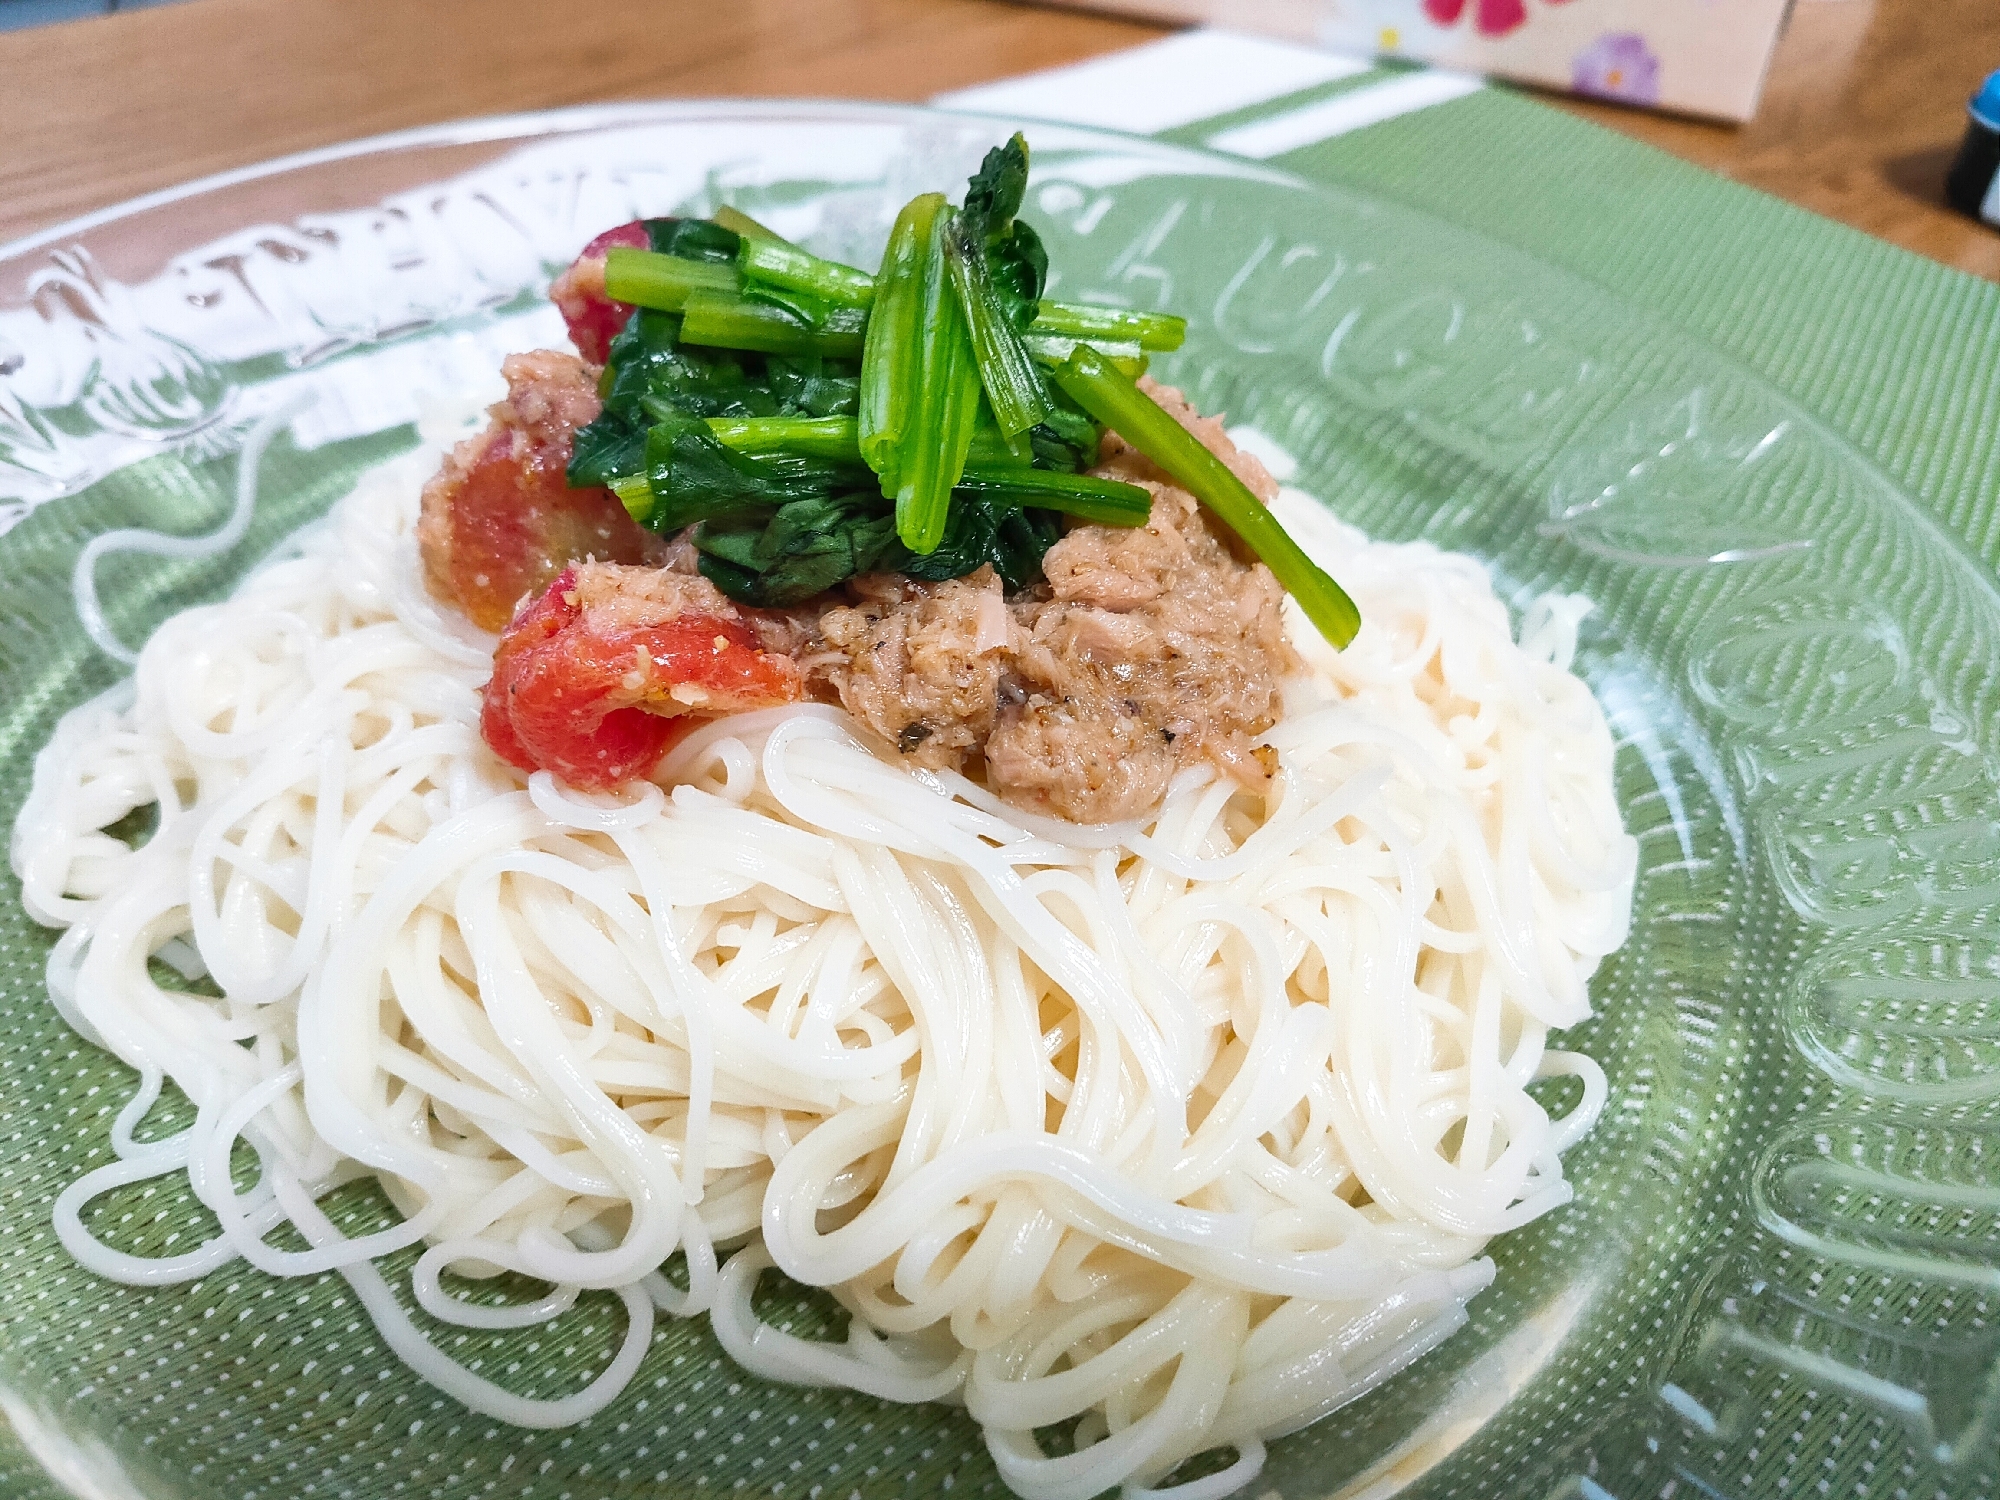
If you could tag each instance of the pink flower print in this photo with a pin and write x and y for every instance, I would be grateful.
(1618, 65)
(1490, 17)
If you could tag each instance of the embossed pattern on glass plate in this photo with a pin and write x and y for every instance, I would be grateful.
(1779, 1273)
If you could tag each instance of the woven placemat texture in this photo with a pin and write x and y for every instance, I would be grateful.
(1897, 352)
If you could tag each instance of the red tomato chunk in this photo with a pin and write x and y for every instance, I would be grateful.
(593, 318)
(598, 677)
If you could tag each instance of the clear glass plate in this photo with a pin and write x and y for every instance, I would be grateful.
(1779, 1271)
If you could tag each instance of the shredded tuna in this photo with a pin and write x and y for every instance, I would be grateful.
(1147, 649)
(629, 598)
(1154, 648)
(909, 660)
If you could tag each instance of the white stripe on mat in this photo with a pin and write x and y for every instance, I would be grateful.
(1195, 75)
(1266, 138)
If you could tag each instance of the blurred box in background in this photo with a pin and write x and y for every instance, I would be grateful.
(1702, 57)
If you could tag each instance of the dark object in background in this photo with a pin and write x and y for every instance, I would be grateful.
(1973, 184)
(18, 15)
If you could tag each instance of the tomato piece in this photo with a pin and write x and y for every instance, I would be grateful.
(593, 318)
(598, 697)
(515, 523)
(499, 519)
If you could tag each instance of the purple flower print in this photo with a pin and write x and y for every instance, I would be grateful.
(1618, 65)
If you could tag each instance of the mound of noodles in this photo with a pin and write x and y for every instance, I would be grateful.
(1182, 1133)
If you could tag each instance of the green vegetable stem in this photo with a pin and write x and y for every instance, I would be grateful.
(815, 437)
(646, 278)
(738, 222)
(773, 262)
(889, 375)
(1109, 395)
(933, 384)
(731, 322)
(1012, 383)
(811, 421)
(1157, 333)
(997, 267)
(838, 437)
(1109, 502)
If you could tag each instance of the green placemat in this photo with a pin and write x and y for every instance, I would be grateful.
(1897, 355)
(21, 1477)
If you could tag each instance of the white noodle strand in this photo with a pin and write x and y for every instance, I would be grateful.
(83, 580)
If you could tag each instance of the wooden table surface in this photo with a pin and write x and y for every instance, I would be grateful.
(1863, 112)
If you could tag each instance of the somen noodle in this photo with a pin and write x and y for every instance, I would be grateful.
(1180, 1133)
